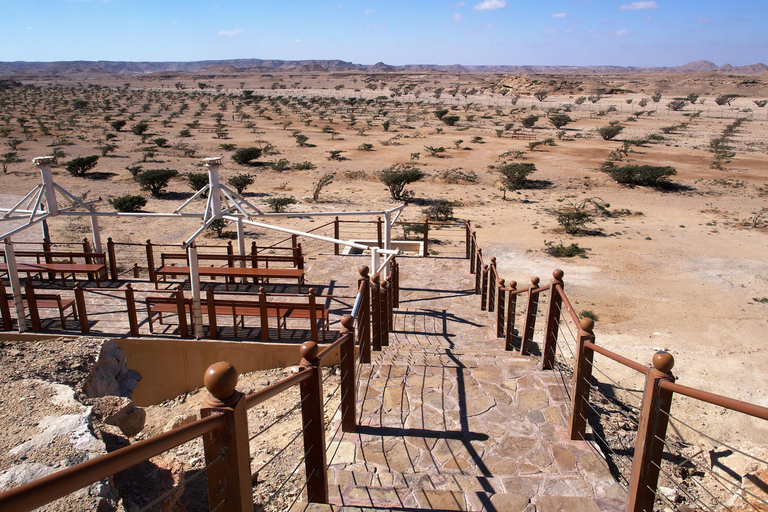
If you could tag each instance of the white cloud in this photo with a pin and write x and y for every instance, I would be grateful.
(457, 17)
(622, 32)
(369, 11)
(551, 30)
(559, 15)
(640, 6)
(297, 41)
(230, 33)
(488, 5)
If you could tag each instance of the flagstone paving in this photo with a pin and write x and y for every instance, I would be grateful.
(450, 421)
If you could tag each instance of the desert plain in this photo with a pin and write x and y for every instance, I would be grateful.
(679, 266)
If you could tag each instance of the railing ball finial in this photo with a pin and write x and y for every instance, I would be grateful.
(587, 324)
(364, 270)
(663, 361)
(309, 351)
(558, 274)
(501, 282)
(348, 321)
(535, 281)
(513, 284)
(375, 278)
(220, 380)
(493, 260)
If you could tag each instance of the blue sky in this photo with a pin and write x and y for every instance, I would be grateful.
(512, 32)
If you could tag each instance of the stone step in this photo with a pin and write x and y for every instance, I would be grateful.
(455, 482)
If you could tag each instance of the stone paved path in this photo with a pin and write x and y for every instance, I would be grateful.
(450, 421)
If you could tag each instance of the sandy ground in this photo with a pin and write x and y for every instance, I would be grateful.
(685, 271)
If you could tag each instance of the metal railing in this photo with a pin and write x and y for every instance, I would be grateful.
(641, 452)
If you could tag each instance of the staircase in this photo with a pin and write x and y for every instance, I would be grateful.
(450, 421)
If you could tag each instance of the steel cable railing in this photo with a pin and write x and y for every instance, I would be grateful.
(181, 485)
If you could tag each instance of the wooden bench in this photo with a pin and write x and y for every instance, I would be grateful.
(226, 272)
(42, 301)
(258, 306)
(92, 270)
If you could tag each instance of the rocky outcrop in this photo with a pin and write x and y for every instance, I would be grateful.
(110, 375)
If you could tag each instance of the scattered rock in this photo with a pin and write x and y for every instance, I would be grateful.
(180, 421)
(110, 374)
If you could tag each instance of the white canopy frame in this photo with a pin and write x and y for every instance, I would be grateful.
(222, 203)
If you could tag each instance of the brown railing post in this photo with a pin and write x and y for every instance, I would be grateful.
(312, 424)
(5, 309)
(299, 256)
(294, 240)
(136, 270)
(509, 330)
(82, 314)
(263, 316)
(151, 263)
(384, 313)
(312, 315)
(500, 309)
(181, 310)
(582, 375)
(390, 304)
(484, 289)
(530, 317)
(553, 321)
(210, 302)
(478, 270)
(230, 259)
(364, 315)
(229, 480)
(112, 259)
(336, 235)
(348, 381)
(87, 249)
(379, 236)
(130, 306)
(47, 248)
(375, 313)
(493, 276)
(34, 314)
(473, 252)
(426, 239)
(467, 241)
(651, 433)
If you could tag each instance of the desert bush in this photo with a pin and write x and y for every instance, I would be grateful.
(280, 165)
(441, 113)
(450, 120)
(676, 105)
(441, 210)
(218, 226)
(536, 143)
(573, 220)
(118, 124)
(656, 97)
(761, 103)
(433, 151)
(301, 140)
(397, 176)
(155, 180)
(541, 95)
(456, 176)
(140, 128)
(560, 250)
(128, 203)
(317, 186)
(278, 204)
(246, 156)
(228, 147)
(580, 100)
(588, 313)
(80, 165)
(335, 154)
(610, 131)
(240, 182)
(693, 98)
(514, 175)
(643, 175)
(725, 99)
(560, 120)
(365, 147)
(530, 121)
(185, 133)
(643, 102)
(304, 166)
(197, 180)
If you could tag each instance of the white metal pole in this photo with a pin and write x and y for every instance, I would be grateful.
(374, 258)
(214, 192)
(194, 284)
(13, 277)
(241, 246)
(44, 164)
(96, 232)
(387, 237)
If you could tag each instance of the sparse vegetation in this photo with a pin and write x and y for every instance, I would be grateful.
(240, 182)
(246, 156)
(155, 180)
(128, 203)
(279, 204)
(514, 175)
(79, 166)
(642, 175)
(397, 177)
(561, 250)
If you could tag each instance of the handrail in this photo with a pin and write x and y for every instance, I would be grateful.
(723, 401)
(275, 389)
(616, 357)
(333, 346)
(52, 487)
(568, 304)
(358, 304)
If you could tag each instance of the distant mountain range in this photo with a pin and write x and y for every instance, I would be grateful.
(246, 66)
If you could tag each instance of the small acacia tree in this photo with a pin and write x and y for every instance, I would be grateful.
(128, 203)
(514, 175)
(197, 180)
(246, 156)
(610, 131)
(278, 204)
(240, 182)
(559, 120)
(80, 165)
(155, 180)
(541, 95)
(317, 186)
(529, 121)
(397, 176)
